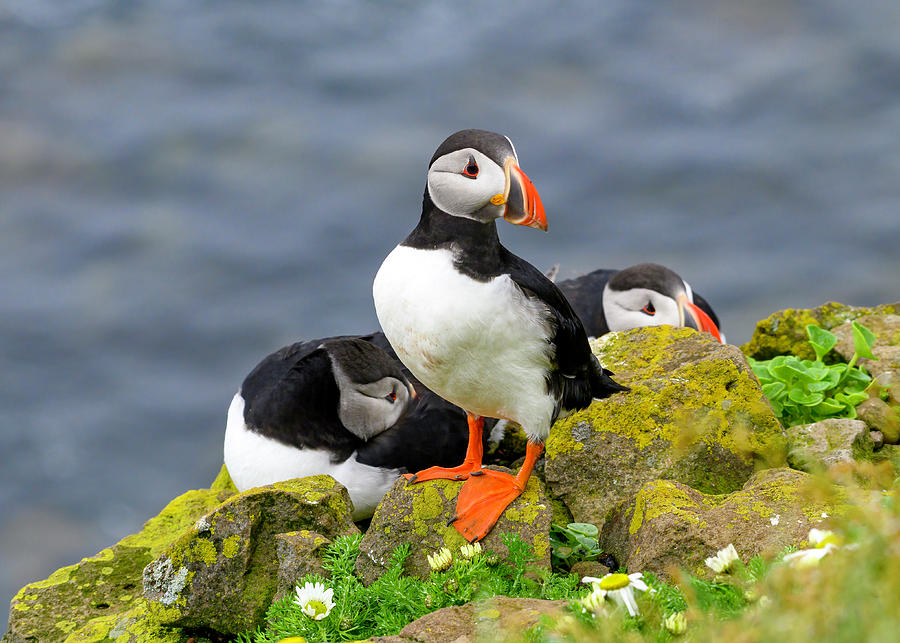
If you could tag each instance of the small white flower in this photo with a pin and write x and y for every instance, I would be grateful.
(620, 588)
(676, 623)
(805, 558)
(723, 560)
(440, 560)
(822, 537)
(594, 601)
(315, 601)
(469, 551)
(774, 519)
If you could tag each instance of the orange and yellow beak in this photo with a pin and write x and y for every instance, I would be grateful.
(523, 203)
(692, 316)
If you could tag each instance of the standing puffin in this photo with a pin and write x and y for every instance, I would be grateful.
(314, 407)
(646, 294)
(479, 326)
(294, 417)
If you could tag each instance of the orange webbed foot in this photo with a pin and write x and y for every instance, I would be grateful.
(441, 473)
(482, 500)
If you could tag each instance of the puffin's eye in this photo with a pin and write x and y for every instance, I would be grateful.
(391, 397)
(649, 309)
(471, 169)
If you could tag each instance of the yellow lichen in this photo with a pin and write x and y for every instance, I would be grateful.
(231, 546)
(663, 498)
(202, 550)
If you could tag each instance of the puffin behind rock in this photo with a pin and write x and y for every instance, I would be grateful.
(646, 294)
(312, 408)
(287, 420)
(481, 327)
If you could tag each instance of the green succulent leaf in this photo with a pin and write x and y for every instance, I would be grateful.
(774, 390)
(584, 528)
(815, 387)
(863, 340)
(806, 399)
(828, 408)
(821, 340)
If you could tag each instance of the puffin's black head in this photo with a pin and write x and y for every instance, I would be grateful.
(475, 174)
(374, 395)
(648, 294)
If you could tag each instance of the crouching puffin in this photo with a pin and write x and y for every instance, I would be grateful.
(312, 408)
(342, 406)
(479, 326)
(646, 294)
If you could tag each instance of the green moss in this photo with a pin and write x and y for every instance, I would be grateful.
(61, 575)
(104, 585)
(95, 631)
(688, 413)
(649, 348)
(65, 626)
(223, 481)
(663, 498)
(177, 516)
(784, 332)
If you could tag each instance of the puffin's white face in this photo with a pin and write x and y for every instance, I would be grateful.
(463, 183)
(637, 307)
(371, 408)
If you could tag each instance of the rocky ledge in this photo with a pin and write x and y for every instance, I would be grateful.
(690, 459)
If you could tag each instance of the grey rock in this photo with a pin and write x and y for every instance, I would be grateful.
(820, 445)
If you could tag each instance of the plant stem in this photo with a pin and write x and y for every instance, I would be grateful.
(850, 365)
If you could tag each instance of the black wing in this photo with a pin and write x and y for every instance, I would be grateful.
(577, 378)
(585, 294)
(291, 396)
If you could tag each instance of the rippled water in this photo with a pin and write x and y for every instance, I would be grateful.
(186, 186)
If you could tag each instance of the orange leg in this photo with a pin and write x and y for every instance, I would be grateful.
(474, 452)
(483, 498)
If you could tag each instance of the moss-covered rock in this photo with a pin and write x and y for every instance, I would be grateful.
(784, 332)
(299, 553)
(491, 620)
(695, 413)
(80, 600)
(886, 349)
(222, 573)
(816, 447)
(881, 416)
(668, 524)
(417, 514)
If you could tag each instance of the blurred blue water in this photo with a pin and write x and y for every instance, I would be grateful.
(186, 186)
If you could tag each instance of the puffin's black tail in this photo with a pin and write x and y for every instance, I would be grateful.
(602, 385)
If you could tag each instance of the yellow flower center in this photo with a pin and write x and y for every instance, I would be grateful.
(318, 607)
(614, 582)
(830, 539)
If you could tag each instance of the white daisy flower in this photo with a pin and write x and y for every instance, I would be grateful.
(676, 623)
(315, 601)
(822, 537)
(806, 558)
(469, 551)
(823, 543)
(594, 601)
(440, 560)
(620, 588)
(723, 560)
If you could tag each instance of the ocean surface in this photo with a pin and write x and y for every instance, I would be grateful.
(186, 186)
